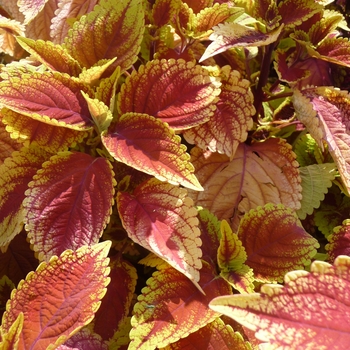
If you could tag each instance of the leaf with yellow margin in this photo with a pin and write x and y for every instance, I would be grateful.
(179, 93)
(68, 203)
(9, 28)
(275, 242)
(52, 98)
(85, 339)
(110, 30)
(7, 143)
(311, 310)
(171, 307)
(10, 340)
(54, 56)
(149, 145)
(15, 174)
(231, 258)
(161, 218)
(51, 138)
(60, 297)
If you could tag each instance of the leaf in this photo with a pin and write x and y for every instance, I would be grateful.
(305, 147)
(9, 28)
(60, 297)
(55, 57)
(147, 144)
(262, 173)
(315, 181)
(85, 339)
(116, 303)
(231, 121)
(231, 258)
(339, 241)
(171, 307)
(294, 12)
(311, 310)
(67, 11)
(161, 218)
(229, 35)
(68, 203)
(15, 174)
(215, 335)
(163, 12)
(30, 8)
(10, 340)
(93, 74)
(331, 124)
(50, 98)
(108, 31)
(275, 242)
(179, 93)
(51, 138)
(7, 144)
(198, 5)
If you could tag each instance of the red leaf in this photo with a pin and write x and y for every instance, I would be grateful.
(147, 144)
(48, 97)
(160, 217)
(339, 241)
(7, 143)
(179, 93)
(275, 242)
(84, 340)
(311, 310)
(116, 303)
(60, 297)
(15, 174)
(171, 307)
(68, 203)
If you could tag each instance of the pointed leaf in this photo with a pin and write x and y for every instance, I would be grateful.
(230, 35)
(116, 303)
(147, 144)
(161, 218)
(110, 30)
(66, 12)
(51, 138)
(171, 307)
(315, 181)
(262, 173)
(10, 340)
(275, 242)
(60, 297)
(231, 121)
(241, 280)
(55, 57)
(164, 11)
(7, 143)
(30, 8)
(15, 174)
(50, 97)
(339, 241)
(311, 311)
(334, 50)
(68, 203)
(9, 28)
(179, 93)
(331, 124)
(215, 335)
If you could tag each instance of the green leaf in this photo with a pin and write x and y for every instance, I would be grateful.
(60, 297)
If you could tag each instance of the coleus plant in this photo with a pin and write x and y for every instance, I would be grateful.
(161, 160)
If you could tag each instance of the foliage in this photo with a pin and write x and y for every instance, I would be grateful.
(160, 160)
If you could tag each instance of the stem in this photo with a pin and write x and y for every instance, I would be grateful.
(264, 74)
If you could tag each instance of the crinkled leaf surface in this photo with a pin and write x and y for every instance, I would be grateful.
(48, 97)
(171, 307)
(339, 241)
(231, 121)
(30, 8)
(85, 339)
(258, 174)
(68, 203)
(116, 303)
(15, 174)
(275, 242)
(10, 340)
(52, 138)
(315, 181)
(161, 218)
(147, 144)
(60, 297)
(331, 124)
(68, 10)
(55, 57)
(7, 143)
(179, 93)
(335, 50)
(215, 335)
(110, 30)
(228, 35)
(311, 310)
(163, 12)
